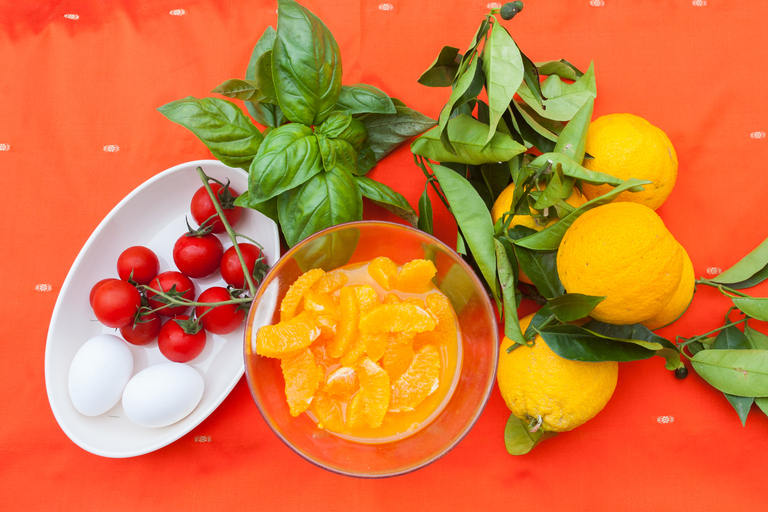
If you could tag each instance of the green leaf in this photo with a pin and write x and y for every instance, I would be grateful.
(261, 58)
(240, 90)
(306, 65)
(289, 156)
(762, 403)
(519, 440)
(573, 139)
(753, 264)
(268, 207)
(365, 99)
(508, 283)
(639, 334)
(366, 159)
(577, 344)
(388, 198)
(731, 338)
(443, 70)
(742, 405)
(473, 219)
(386, 131)
(338, 154)
(756, 307)
(503, 68)
(425, 211)
(756, 338)
(220, 125)
(573, 306)
(561, 68)
(468, 85)
(532, 77)
(563, 99)
(531, 130)
(574, 170)
(468, 137)
(549, 238)
(329, 251)
(496, 176)
(326, 199)
(541, 269)
(736, 372)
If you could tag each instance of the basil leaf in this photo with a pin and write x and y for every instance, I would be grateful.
(573, 139)
(326, 199)
(329, 251)
(754, 263)
(220, 125)
(289, 156)
(364, 99)
(756, 307)
(240, 90)
(577, 344)
(508, 282)
(386, 132)
(306, 65)
(563, 100)
(468, 85)
(561, 68)
(468, 137)
(387, 198)
(541, 269)
(366, 159)
(337, 154)
(548, 239)
(267, 208)
(264, 113)
(425, 211)
(503, 68)
(443, 70)
(473, 219)
(742, 405)
(573, 306)
(341, 125)
(736, 372)
(518, 440)
(731, 338)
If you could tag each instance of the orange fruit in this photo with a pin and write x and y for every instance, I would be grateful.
(398, 355)
(366, 297)
(302, 377)
(346, 329)
(342, 382)
(285, 338)
(503, 204)
(384, 271)
(328, 412)
(330, 282)
(445, 331)
(392, 298)
(397, 318)
(320, 304)
(370, 403)
(420, 380)
(295, 294)
(416, 276)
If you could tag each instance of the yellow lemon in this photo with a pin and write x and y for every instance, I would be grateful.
(539, 386)
(503, 204)
(628, 146)
(624, 252)
(679, 301)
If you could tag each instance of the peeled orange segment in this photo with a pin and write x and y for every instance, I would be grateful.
(416, 276)
(370, 403)
(295, 294)
(302, 377)
(328, 412)
(392, 298)
(327, 325)
(416, 301)
(384, 271)
(342, 382)
(445, 331)
(286, 338)
(354, 352)
(420, 380)
(346, 329)
(375, 344)
(330, 282)
(398, 355)
(402, 317)
(366, 297)
(320, 304)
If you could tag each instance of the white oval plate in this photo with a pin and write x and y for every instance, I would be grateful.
(153, 215)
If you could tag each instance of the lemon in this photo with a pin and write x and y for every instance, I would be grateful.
(539, 386)
(503, 204)
(628, 146)
(679, 301)
(622, 251)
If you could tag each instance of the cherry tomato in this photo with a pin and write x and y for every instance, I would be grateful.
(116, 302)
(197, 256)
(139, 264)
(97, 286)
(143, 329)
(181, 340)
(167, 281)
(202, 207)
(232, 271)
(222, 319)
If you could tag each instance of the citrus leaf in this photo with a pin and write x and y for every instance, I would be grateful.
(532, 77)
(468, 86)
(533, 133)
(519, 440)
(639, 334)
(756, 338)
(563, 99)
(503, 69)
(573, 139)
(736, 372)
(577, 344)
(387, 131)
(573, 306)
(468, 137)
(731, 338)
(473, 219)
(443, 70)
(742, 405)
(756, 307)
(561, 68)
(425, 211)
(508, 282)
(365, 99)
(386, 197)
(762, 403)
(746, 268)
(541, 269)
(574, 170)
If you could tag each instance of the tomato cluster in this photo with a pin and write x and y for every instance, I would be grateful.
(145, 303)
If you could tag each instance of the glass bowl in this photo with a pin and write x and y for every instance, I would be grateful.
(359, 242)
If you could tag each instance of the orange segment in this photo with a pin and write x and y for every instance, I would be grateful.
(354, 352)
(403, 317)
(384, 271)
(366, 297)
(320, 304)
(330, 282)
(370, 403)
(302, 377)
(375, 344)
(342, 382)
(418, 382)
(398, 355)
(346, 329)
(327, 325)
(416, 276)
(328, 412)
(392, 298)
(285, 338)
(295, 294)
(445, 331)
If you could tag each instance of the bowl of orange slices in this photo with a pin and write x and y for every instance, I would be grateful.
(371, 349)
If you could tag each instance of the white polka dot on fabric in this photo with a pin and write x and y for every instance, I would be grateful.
(713, 271)
(43, 287)
(111, 148)
(665, 420)
(178, 12)
(386, 7)
(72, 16)
(699, 3)
(5, 147)
(757, 135)
(597, 3)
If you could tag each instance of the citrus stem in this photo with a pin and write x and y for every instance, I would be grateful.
(725, 290)
(708, 334)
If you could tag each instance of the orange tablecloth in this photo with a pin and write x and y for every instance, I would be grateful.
(80, 83)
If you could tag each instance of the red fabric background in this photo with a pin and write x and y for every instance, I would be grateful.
(77, 76)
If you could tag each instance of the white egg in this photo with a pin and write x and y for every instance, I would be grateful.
(99, 372)
(162, 394)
